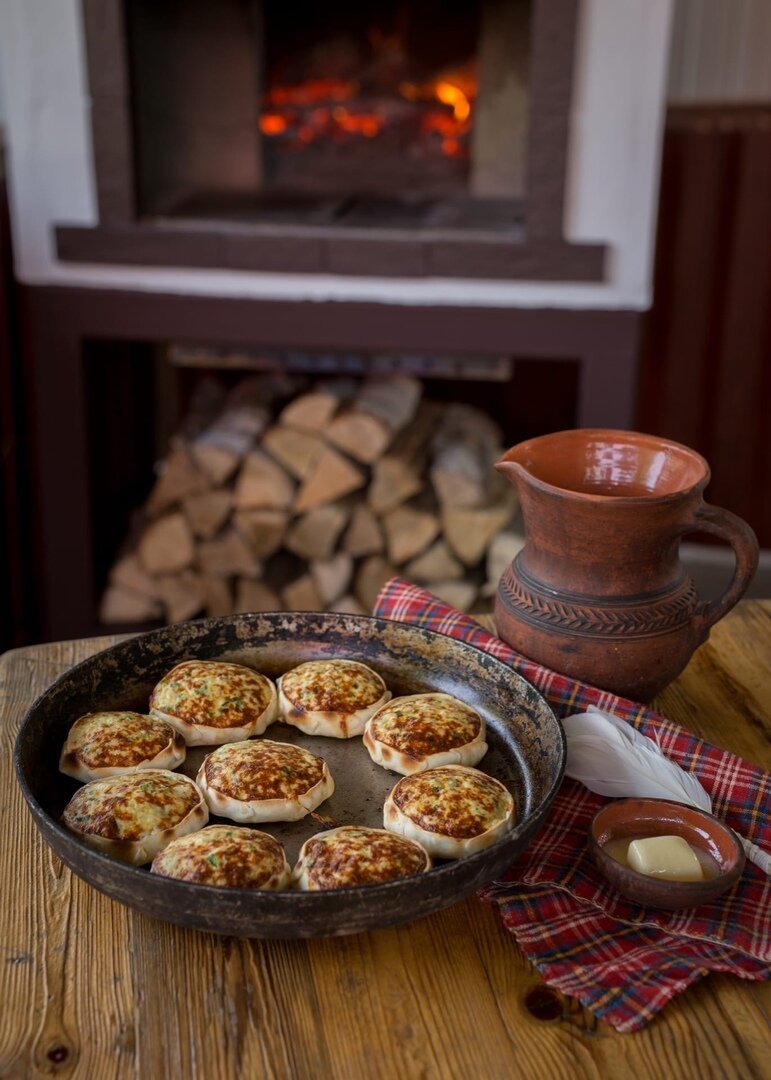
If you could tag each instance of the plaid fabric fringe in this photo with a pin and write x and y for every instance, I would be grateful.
(622, 961)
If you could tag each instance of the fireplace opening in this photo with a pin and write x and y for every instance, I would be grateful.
(396, 114)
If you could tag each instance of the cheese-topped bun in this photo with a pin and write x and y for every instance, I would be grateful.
(112, 743)
(211, 702)
(419, 732)
(451, 811)
(355, 855)
(264, 781)
(331, 697)
(226, 855)
(135, 816)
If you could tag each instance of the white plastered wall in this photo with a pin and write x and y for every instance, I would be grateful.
(616, 128)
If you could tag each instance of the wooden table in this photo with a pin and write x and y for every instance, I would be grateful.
(93, 989)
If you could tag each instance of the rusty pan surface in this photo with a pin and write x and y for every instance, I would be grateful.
(527, 753)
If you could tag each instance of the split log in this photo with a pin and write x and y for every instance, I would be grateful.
(263, 530)
(364, 535)
(381, 408)
(297, 451)
(302, 595)
(399, 474)
(314, 535)
(220, 449)
(362, 436)
(309, 412)
(129, 574)
(178, 478)
(393, 399)
(262, 484)
(436, 564)
(206, 513)
(408, 531)
(332, 576)
(166, 545)
(332, 477)
(313, 411)
(371, 576)
(182, 595)
(227, 555)
(469, 531)
(465, 449)
(122, 605)
(254, 595)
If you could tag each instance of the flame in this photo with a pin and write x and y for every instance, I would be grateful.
(452, 95)
(329, 108)
(273, 124)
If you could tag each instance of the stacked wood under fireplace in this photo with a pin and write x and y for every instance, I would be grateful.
(299, 494)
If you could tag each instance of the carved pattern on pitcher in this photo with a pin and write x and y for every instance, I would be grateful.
(655, 618)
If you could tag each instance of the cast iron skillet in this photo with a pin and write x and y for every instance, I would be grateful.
(527, 752)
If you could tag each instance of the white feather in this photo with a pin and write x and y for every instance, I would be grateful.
(611, 758)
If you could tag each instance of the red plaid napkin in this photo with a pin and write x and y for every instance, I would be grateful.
(622, 961)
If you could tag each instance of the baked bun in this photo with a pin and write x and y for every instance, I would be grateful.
(262, 780)
(421, 731)
(356, 855)
(331, 697)
(451, 811)
(211, 702)
(136, 815)
(113, 743)
(226, 856)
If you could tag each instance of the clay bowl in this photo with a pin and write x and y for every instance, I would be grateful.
(659, 817)
(527, 753)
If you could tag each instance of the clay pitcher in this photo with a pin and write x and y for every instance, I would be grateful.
(598, 592)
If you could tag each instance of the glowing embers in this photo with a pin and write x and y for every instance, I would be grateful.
(423, 118)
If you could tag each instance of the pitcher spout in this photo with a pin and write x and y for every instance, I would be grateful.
(513, 470)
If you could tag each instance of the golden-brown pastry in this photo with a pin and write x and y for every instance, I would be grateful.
(261, 780)
(451, 811)
(228, 856)
(136, 815)
(331, 697)
(421, 731)
(113, 743)
(355, 855)
(211, 702)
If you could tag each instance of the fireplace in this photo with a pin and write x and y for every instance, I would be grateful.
(400, 139)
(391, 115)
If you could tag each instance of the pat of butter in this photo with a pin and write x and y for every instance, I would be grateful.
(668, 857)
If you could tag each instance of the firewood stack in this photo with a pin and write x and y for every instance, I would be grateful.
(313, 503)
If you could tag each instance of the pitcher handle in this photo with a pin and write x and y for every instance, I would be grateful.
(729, 527)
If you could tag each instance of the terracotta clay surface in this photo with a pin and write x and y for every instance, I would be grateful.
(659, 817)
(599, 592)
